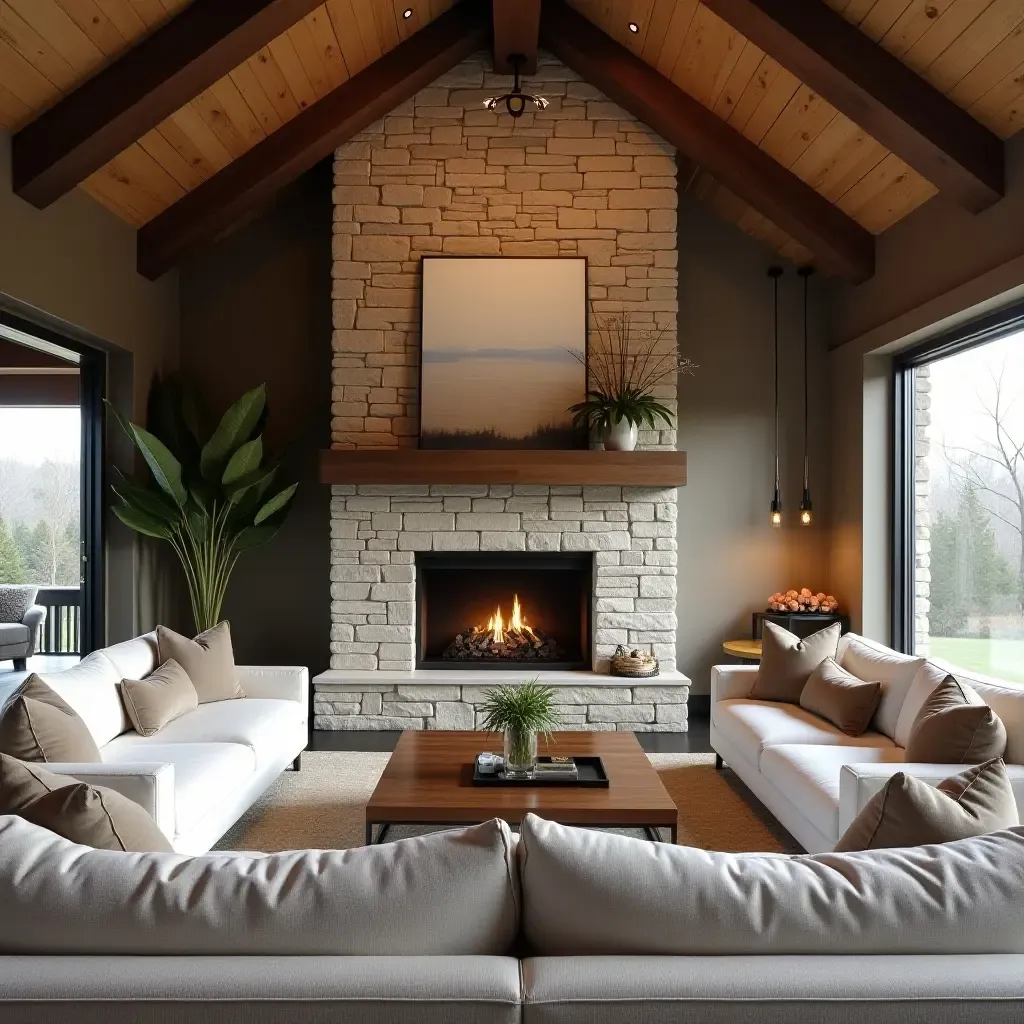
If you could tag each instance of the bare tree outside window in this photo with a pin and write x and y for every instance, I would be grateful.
(969, 509)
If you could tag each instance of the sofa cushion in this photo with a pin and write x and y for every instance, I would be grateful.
(597, 893)
(208, 660)
(165, 694)
(752, 725)
(787, 661)
(909, 812)
(955, 726)
(1006, 699)
(91, 689)
(36, 724)
(809, 777)
(15, 601)
(13, 633)
(205, 774)
(23, 782)
(893, 670)
(841, 698)
(927, 678)
(134, 659)
(451, 893)
(257, 723)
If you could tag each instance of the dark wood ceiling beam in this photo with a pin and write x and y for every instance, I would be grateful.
(117, 106)
(248, 182)
(839, 244)
(891, 102)
(516, 30)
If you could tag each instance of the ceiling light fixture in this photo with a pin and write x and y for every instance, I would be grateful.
(407, 13)
(516, 100)
(776, 517)
(634, 27)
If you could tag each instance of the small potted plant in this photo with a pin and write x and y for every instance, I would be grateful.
(625, 365)
(520, 711)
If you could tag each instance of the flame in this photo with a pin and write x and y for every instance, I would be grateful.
(517, 624)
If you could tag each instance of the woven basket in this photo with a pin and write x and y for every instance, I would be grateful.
(641, 666)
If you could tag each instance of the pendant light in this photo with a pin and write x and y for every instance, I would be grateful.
(806, 509)
(776, 517)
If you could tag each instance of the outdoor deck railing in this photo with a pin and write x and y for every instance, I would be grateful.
(61, 632)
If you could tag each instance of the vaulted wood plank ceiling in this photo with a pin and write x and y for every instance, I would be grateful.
(971, 50)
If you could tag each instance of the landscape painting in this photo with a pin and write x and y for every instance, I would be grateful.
(504, 352)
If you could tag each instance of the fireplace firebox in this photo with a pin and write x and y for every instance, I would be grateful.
(513, 611)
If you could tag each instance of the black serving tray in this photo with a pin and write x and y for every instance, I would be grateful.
(590, 775)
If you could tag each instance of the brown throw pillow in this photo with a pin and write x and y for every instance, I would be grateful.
(841, 698)
(37, 725)
(208, 661)
(165, 694)
(955, 726)
(909, 812)
(787, 661)
(90, 815)
(98, 817)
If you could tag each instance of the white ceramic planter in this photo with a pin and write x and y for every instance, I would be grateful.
(620, 436)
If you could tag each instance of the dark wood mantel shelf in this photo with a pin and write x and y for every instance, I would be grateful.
(509, 466)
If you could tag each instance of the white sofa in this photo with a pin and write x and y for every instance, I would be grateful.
(816, 779)
(202, 771)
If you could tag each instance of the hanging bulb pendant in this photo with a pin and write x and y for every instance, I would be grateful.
(776, 508)
(806, 508)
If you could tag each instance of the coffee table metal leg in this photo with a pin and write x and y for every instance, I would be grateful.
(653, 833)
(371, 840)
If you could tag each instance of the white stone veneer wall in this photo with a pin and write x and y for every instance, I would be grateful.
(442, 175)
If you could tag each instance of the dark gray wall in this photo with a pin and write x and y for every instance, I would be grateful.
(256, 306)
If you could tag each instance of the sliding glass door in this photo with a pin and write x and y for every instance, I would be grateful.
(959, 580)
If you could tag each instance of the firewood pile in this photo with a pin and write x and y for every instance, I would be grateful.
(479, 644)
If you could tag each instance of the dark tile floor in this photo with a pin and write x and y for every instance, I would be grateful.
(695, 741)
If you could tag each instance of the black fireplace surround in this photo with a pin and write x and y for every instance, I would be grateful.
(458, 592)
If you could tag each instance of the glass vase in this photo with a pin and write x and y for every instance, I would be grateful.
(520, 753)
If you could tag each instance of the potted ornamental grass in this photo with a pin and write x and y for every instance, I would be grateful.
(520, 711)
(626, 363)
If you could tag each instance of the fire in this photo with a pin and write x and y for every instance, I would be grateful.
(517, 624)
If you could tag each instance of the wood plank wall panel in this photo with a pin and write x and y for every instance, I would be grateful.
(972, 50)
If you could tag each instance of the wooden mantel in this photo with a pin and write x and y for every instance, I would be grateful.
(510, 466)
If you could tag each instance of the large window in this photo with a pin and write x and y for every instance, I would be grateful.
(960, 513)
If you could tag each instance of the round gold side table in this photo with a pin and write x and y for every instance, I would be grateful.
(743, 650)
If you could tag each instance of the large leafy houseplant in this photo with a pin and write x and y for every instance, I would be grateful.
(211, 497)
(626, 363)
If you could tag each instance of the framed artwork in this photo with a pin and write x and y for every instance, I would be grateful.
(504, 351)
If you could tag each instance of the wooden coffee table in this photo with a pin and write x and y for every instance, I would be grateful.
(428, 781)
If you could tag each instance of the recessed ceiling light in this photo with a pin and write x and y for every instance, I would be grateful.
(407, 13)
(634, 27)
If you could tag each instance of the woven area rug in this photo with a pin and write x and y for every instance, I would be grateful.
(321, 807)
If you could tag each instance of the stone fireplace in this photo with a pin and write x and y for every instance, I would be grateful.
(443, 175)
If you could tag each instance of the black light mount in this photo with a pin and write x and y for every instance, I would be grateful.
(515, 101)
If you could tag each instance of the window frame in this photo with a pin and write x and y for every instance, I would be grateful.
(973, 334)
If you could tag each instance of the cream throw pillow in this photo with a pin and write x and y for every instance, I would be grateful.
(787, 661)
(909, 812)
(955, 726)
(165, 694)
(837, 696)
(207, 660)
(38, 725)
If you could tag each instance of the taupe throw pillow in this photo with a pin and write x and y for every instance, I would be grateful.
(841, 698)
(909, 812)
(207, 660)
(37, 725)
(955, 726)
(787, 661)
(165, 694)
(88, 815)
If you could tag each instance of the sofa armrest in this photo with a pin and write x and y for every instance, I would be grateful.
(149, 783)
(34, 618)
(731, 682)
(858, 783)
(285, 682)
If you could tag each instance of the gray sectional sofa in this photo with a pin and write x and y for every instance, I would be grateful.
(557, 927)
